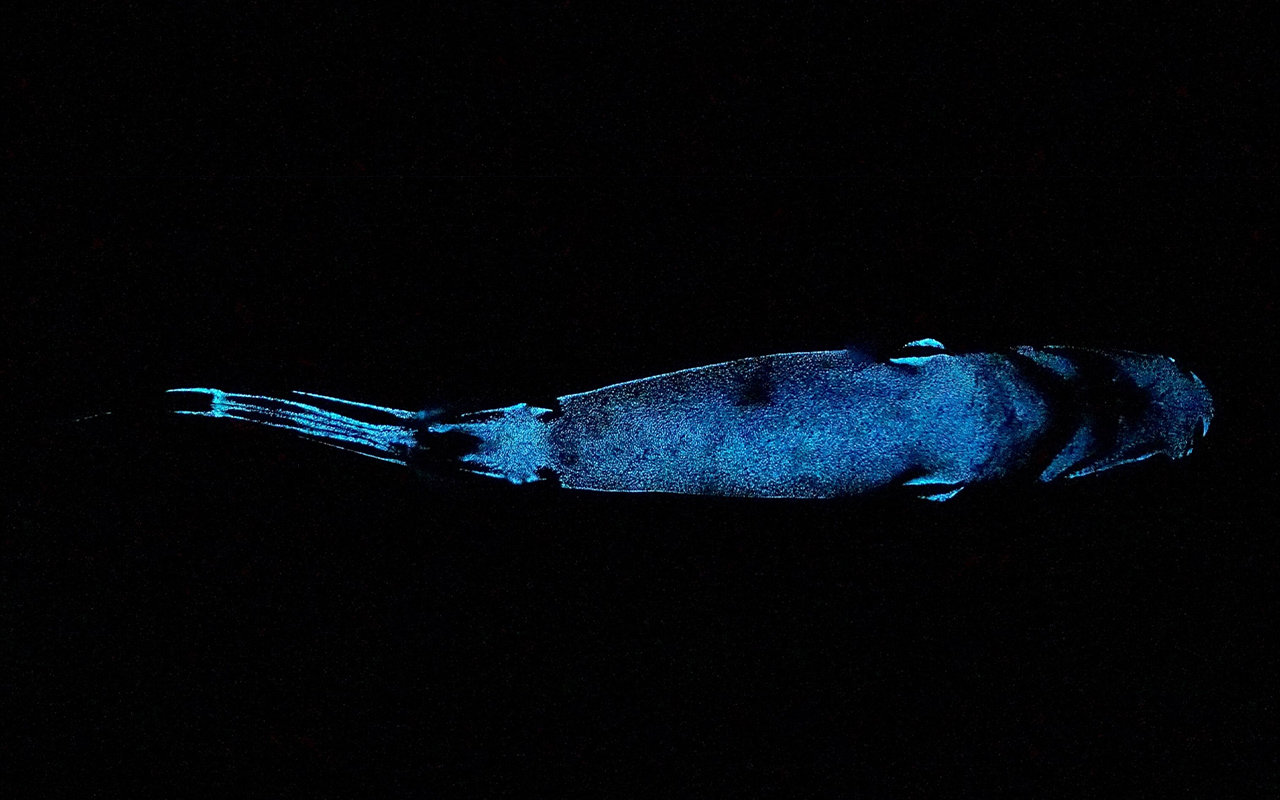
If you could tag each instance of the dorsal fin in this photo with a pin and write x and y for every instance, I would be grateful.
(915, 352)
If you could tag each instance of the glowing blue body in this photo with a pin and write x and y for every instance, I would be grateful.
(801, 425)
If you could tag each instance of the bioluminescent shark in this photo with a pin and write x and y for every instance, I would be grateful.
(792, 425)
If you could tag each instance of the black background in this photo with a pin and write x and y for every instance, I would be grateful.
(501, 209)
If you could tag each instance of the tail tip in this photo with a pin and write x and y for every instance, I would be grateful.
(207, 399)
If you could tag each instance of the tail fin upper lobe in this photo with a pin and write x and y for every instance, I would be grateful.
(387, 434)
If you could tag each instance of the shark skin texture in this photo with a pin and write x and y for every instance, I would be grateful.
(807, 425)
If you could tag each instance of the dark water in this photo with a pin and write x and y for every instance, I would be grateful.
(192, 603)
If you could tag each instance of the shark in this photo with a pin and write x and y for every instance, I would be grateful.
(801, 425)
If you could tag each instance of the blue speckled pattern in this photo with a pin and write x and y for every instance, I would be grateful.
(802, 425)
(830, 426)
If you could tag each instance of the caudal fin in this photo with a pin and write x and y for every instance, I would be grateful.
(388, 434)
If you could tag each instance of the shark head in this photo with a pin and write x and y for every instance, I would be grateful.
(1132, 406)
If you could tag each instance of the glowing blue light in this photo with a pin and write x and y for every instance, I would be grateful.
(803, 425)
(944, 496)
(920, 360)
(1114, 462)
(388, 442)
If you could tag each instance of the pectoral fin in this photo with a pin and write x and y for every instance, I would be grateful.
(943, 496)
(937, 490)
